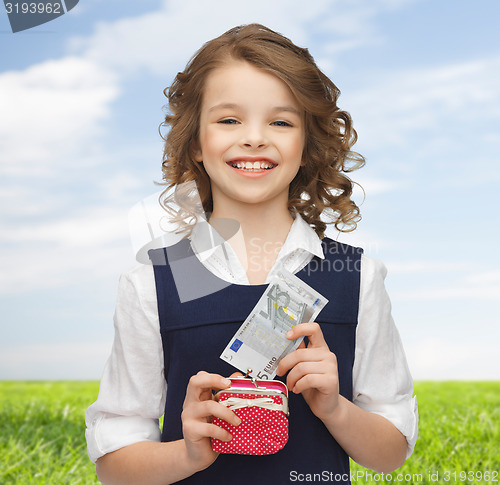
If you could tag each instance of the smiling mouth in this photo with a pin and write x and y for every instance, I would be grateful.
(257, 166)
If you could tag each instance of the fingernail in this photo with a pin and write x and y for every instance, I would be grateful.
(237, 421)
(226, 382)
(289, 334)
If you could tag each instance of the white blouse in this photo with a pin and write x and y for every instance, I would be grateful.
(133, 389)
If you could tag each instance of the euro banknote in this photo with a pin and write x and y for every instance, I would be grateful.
(260, 343)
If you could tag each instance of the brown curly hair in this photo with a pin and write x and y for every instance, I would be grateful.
(321, 183)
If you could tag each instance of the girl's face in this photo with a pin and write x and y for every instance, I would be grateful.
(251, 135)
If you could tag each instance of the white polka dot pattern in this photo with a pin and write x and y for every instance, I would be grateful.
(261, 432)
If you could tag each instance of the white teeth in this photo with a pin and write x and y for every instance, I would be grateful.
(264, 165)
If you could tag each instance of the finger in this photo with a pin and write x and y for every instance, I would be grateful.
(214, 431)
(303, 369)
(205, 410)
(195, 431)
(235, 375)
(302, 354)
(324, 383)
(311, 330)
(197, 421)
(201, 385)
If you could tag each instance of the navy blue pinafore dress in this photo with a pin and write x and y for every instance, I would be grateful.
(195, 332)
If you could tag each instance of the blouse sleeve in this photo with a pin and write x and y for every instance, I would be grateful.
(382, 382)
(132, 391)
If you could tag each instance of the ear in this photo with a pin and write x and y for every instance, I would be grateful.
(196, 151)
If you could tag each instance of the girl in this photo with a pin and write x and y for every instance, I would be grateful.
(255, 124)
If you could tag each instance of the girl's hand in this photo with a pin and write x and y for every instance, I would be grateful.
(197, 412)
(313, 371)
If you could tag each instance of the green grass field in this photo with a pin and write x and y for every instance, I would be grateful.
(42, 435)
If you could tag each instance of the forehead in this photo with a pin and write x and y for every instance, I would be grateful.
(236, 82)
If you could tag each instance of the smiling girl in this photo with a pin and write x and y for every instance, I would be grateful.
(251, 143)
(256, 125)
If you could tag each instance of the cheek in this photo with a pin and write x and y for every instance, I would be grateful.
(213, 143)
(295, 148)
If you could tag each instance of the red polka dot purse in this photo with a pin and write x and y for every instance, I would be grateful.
(262, 407)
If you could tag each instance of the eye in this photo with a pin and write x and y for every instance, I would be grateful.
(228, 121)
(281, 123)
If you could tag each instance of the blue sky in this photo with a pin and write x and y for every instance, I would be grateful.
(80, 104)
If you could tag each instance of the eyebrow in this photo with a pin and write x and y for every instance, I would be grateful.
(223, 106)
(276, 109)
(290, 109)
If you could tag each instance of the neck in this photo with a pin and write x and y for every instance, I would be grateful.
(263, 231)
(269, 223)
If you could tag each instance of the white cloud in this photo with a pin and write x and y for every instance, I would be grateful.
(485, 277)
(25, 269)
(55, 254)
(162, 41)
(371, 243)
(444, 281)
(50, 111)
(351, 20)
(376, 186)
(424, 266)
(53, 116)
(449, 292)
(430, 100)
(21, 201)
(92, 227)
(439, 359)
(68, 360)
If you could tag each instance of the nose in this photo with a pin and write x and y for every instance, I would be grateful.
(254, 137)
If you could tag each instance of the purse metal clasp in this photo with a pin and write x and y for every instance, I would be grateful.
(253, 379)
